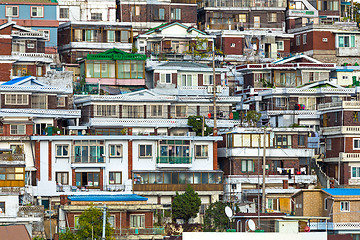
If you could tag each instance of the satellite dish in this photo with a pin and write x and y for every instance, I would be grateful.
(251, 225)
(228, 212)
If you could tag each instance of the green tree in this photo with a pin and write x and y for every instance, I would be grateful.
(186, 205)
(215, 219)
(252, 117)
(90, 226)
(195, 122)
(201, 48)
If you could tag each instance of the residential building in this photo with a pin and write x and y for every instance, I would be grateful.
(346, 76)
(113, 71)
(129, 214)
(85, 11)
(339, 204)
(24, 53)
(144, 15)
(239, 15)
(173, 41)
(37, 15)
(77, 39)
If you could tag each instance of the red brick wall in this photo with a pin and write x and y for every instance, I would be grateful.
(201, 79)
(5, 69)
(73, 177)
(349, 119)
(215, 156)
(130, 160)
(101, 179)
(29, 130)
(174, 78)
(228, 49)
(337, 145)
(314, 41)
(52, 102)
(156, 78)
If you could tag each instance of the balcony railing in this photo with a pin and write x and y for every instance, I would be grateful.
(349, 157)
(12, 157)
(30, 34)
(243, 3)
(342, 104)
(174, 160)
(87, 159)
(341, 130)
(335, 226)
(128, 231)
(43, 55)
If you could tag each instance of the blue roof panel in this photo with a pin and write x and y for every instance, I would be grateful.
(15, 80)
(343, 191)
(108, 198)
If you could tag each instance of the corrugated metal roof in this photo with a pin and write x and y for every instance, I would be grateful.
(15, 80)
(184, 64)
(343, 191)
(108, 198)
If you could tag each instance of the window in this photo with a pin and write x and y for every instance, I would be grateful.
(61, 101)
(346, 41)
(124, 37)
(280, 102)
(64, 13)
(135, 11)
(165, 78)
(112, 221)
(30, 45)
(96, 16)
(272, 203)
(356, 144)
(62, 150)
(298, 40)
(280, 45)
(62, 178)
(345, 206)
(201, 151)
(137, 221)
(37, 12)
(328, 144)
(355, 172)
(247, 166)
(106, 110)
(180, 111)
(242, 18)
(110, 36)
(325, 40)
(17, 129)
(186, 80)
(272, 17)
(301, 140)
(326, 202)
(17, 148)
(156, 110)
(12, 173)
(12, 11)
(145, 150)
(176, 14)
(208, 79)
(87, 179)
(46, 33)
(39, 101)
(88, 151)
(115, 178)
(76, 222)
(16, 99)
(115, 150)
(232, 45)
(174, 152)
(130, 69)
(2, 207)
(305, 38)
(132, 111)
(283, 141)
(161, 14)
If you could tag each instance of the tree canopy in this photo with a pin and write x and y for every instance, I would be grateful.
(186, 205)
(252, 117)
(195, 122)
(215, 219)
(90, 225)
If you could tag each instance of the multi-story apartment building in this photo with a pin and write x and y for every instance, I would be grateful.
(23, 52)
(86, 10)
(144, 14)
(337, 43)
(287, 159)
(240, 15)
(77, 39)
(38, 15)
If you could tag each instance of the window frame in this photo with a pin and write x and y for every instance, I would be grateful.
(357, 172)
(3, 207)
(304, 38)
(61, 101)
(23, 97)
(301, 136)
(115, 172)
(248, 162)
(346, 205)
(164, 78)
(158, 107)
(93, 14)
(181, 115)
(206, 155)
(358, 143)
(175, 14)
(68, 12)
(12, 7)
(115, 155)
(297, 39)
(351, 41)
(62, 150)
(66, 175)
(147, 155)
(280, 43)
(272, 17)
(17, 131)
(142, 220)
(37, 7)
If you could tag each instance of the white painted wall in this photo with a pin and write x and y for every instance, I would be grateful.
(11, 205)
(253, 236)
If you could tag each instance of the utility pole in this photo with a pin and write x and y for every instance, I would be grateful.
(104, 223)
(214, 89)
(263, 175)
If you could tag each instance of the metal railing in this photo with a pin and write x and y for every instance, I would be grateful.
(128, 231)
(173, 160)
(87, 159)
(12, 157)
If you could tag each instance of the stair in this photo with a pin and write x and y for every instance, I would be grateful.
(324, 179)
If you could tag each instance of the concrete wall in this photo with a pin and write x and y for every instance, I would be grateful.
(253, 236)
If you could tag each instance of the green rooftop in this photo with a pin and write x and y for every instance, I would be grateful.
(116, 54)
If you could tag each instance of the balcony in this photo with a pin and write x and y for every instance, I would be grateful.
(340, 104)
(34, 55)
(350, 157)
(335, 226)
(12, 158)
(177, 187)
(182, 162)
(284, 153)
(341, 130)
(87, 159)
(33, 34)
(54, 113)
(272, 179)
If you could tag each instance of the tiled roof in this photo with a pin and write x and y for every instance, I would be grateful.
(342, 191)
(108, 198)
